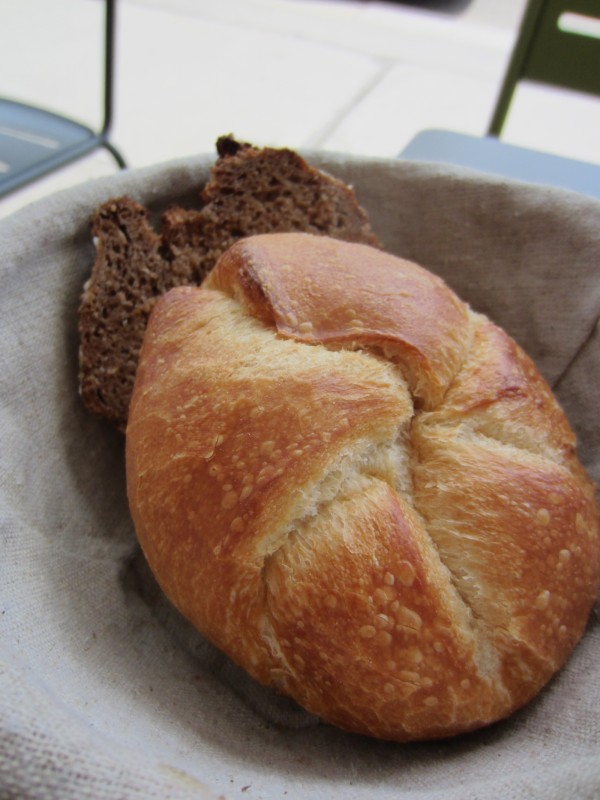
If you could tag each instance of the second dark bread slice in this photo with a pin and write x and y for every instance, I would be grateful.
(250, 191)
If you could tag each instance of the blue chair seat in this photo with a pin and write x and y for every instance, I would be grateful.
(492, 156)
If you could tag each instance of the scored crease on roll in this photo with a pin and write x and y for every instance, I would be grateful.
(360, 489)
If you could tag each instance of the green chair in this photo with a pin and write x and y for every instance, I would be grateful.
(558, 45)
(35, 142)
(553, 49)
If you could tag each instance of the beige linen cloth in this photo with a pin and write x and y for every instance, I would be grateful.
(105, 692)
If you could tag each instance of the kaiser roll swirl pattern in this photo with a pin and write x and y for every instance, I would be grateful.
(360, 489)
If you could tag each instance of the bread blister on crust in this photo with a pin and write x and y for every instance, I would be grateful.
(359, 489)
(251, 190)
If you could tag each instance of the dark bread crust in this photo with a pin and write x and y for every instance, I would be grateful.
(250, 191)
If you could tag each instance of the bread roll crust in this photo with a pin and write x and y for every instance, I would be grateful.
(359, 489)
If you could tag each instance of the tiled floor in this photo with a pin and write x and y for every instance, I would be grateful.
(357, 76)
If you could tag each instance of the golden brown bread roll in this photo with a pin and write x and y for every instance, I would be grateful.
(360, 489)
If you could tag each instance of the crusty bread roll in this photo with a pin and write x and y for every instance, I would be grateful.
(360, 489)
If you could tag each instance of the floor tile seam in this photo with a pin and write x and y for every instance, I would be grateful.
(329, 127)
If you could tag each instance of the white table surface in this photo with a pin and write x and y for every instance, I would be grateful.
(356, 76)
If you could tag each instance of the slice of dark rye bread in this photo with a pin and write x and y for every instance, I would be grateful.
(250, 191)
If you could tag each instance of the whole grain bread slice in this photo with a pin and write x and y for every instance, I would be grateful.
(251, 190)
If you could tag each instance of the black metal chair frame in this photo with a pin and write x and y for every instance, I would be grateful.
(35, 142)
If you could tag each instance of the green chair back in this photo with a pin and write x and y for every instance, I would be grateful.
(552, 48)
